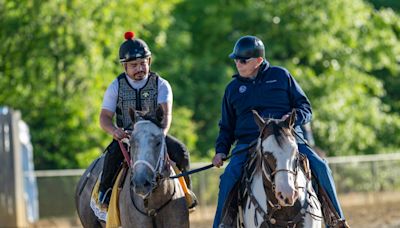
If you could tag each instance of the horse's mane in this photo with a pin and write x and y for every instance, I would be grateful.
(280, 132)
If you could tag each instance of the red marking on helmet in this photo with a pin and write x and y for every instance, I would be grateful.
(129, 35)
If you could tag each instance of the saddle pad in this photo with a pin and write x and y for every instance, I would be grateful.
(110, 216)
(95, 205)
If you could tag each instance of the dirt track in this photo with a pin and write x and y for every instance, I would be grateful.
(362, 211)
(363, 216)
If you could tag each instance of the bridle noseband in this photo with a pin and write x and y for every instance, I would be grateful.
(160, 165)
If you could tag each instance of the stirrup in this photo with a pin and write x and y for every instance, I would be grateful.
(104, 197)
(192, 202)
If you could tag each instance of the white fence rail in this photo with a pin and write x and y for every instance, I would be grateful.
(331, 160)
(364, 158)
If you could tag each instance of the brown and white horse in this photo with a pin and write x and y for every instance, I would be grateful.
(277, 184)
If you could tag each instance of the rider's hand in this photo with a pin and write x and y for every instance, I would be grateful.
(218, 160)
(119, 134)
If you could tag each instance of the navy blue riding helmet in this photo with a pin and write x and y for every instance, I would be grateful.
(248, 47)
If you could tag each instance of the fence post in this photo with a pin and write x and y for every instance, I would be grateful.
(12, 203)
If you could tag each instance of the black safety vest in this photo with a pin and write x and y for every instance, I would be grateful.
(138, 99)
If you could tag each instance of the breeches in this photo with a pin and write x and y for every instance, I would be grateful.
(232, 173)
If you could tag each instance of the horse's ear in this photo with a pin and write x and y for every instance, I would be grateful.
(159, 113)
(132, 115)
(291, 119)
(259, 120)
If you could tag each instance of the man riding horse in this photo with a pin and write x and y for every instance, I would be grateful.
(139, 88)
(273, 93)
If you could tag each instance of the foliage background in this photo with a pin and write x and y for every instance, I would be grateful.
(58, 57)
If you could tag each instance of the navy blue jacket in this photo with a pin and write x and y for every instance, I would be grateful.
(272, 93)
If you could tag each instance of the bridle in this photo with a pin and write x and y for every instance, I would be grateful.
(158, 176)
(265, 155)
(160, 165)
(271, 171)
(263, 158)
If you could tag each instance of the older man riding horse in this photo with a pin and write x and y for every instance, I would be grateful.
(276, 188)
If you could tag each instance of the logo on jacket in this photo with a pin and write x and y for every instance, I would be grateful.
(146, 94)
(242, 89)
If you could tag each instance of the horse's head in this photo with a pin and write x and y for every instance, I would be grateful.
(278, 153)
(149, 157)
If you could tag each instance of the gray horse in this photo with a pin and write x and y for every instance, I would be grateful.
(148, 197)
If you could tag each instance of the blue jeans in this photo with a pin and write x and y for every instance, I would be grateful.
(232, 173)
(321, 170)
(234, 169)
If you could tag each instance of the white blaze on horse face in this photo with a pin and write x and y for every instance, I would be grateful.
(284, 155)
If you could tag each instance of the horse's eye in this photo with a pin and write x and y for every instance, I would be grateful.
(158, 143)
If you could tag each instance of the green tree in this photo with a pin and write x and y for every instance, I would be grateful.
(59, 58)
(339, 51)
(394, 4)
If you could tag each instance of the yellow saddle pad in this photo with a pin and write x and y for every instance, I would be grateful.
(110, 215)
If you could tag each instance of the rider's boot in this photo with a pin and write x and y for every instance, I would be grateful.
(331, 216)
(104, 198)
(191, 199)
(342, 224)
(111, 164)
(193, 202)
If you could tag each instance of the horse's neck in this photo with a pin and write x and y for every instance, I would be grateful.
(258, 190)
(256, 199)
(304, 185)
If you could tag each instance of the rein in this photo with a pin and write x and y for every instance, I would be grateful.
(190, 172)
(252, 144)
(125, 153)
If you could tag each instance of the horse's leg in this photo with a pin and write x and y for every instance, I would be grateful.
(83, 194)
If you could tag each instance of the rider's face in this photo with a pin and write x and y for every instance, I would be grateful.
(137, 69)
(249, 67)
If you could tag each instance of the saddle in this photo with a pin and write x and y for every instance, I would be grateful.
(229, 217)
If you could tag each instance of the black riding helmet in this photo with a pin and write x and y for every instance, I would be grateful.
(133, 49)
(248, 47)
